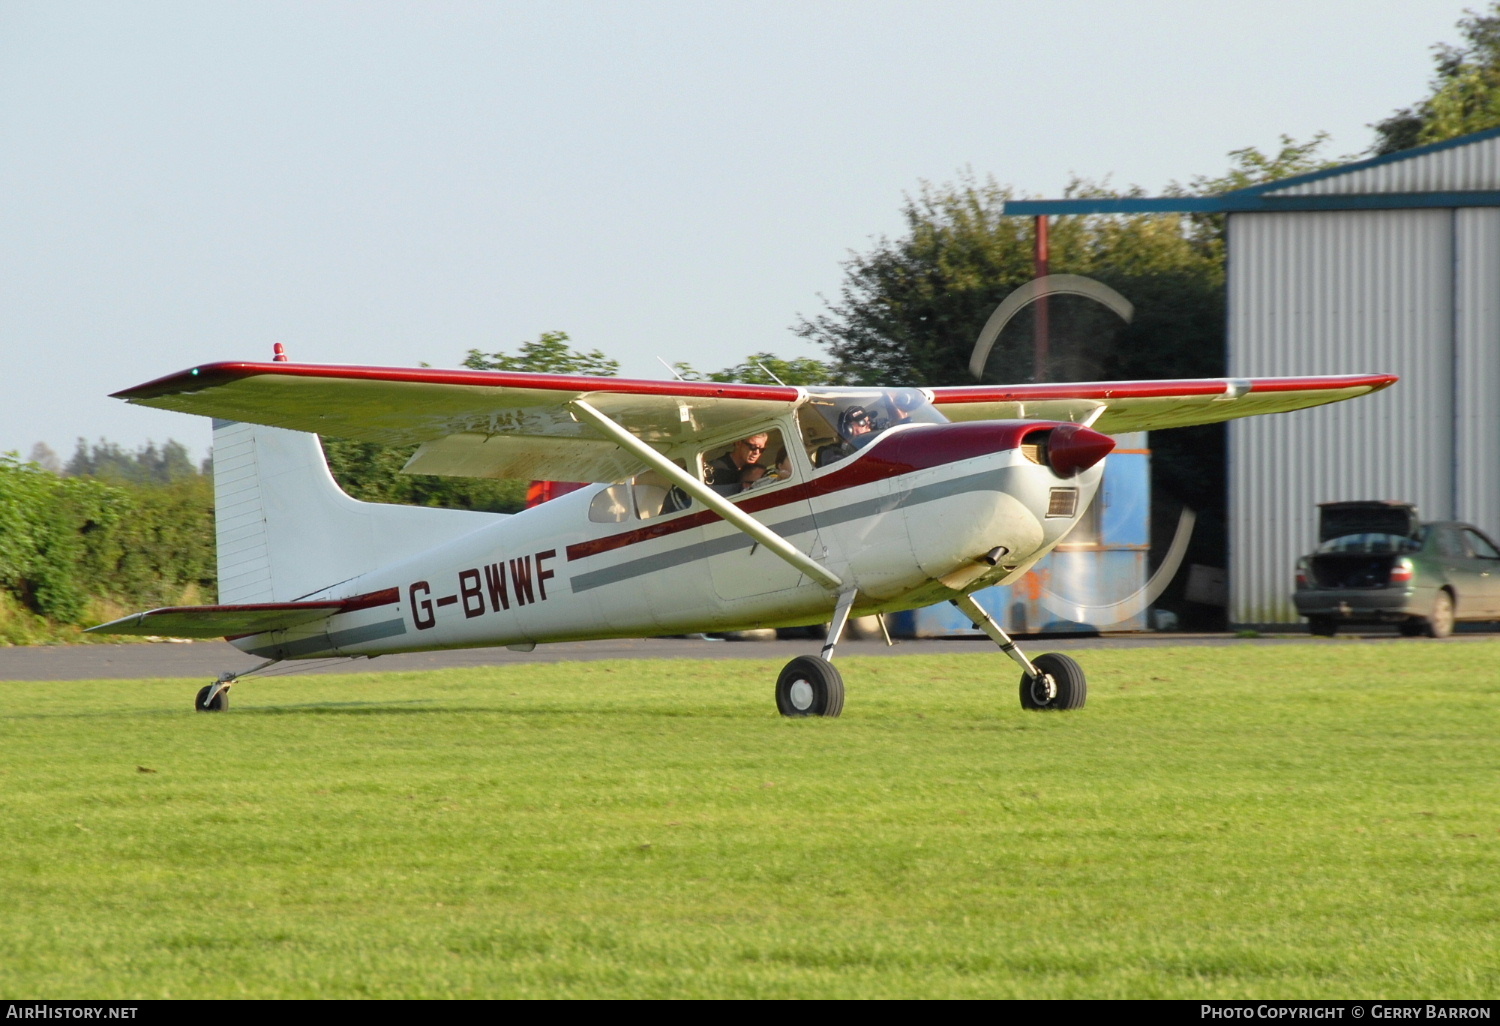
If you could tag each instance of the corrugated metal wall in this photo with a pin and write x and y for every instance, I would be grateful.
(1474, 165)
(1350, 292)
(1477, 322)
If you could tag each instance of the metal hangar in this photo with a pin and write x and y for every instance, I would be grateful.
(1384, 265)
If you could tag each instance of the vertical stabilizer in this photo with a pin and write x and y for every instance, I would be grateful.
(285, 529)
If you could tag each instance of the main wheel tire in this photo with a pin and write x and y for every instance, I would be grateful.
(219, 704)
(1322, 626)
(1061, 684)
(1440, 620)
(809, 686)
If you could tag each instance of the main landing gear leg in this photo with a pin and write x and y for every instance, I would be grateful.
(1052, 681)
(810, 685)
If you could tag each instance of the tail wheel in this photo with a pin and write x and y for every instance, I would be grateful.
(809, 686)
(1440, 620)
(1059, 684)
(220, 701)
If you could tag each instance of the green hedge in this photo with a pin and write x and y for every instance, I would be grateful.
(77, 550)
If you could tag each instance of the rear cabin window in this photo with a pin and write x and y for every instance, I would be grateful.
(644, 497)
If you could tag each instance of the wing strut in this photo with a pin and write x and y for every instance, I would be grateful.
(710, 498)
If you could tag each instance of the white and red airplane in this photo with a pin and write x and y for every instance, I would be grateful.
(878, 500)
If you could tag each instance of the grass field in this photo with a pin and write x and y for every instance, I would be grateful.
(1251, 821)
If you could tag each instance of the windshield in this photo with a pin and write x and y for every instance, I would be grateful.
(837, 423)
(1371, 544)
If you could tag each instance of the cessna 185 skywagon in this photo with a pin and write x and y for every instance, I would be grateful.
(873, 500)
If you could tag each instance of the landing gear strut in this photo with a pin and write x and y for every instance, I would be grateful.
(1051, 681)
(215, 697)
(811, 685)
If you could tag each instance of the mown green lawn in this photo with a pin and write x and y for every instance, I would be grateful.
(1316, 820)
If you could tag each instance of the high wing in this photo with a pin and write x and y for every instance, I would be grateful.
(495, 424)
(502, 424)
(1121, 406)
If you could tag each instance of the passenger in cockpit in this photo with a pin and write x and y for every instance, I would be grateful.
(724, 473)
(757, 476)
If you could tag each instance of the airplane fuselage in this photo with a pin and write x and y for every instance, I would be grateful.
(924, 513)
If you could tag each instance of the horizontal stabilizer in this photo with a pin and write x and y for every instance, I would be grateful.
(235, 621)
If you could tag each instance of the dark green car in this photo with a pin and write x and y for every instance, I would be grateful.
(1379, 564)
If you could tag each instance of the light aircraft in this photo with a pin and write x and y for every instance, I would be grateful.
(880, 499)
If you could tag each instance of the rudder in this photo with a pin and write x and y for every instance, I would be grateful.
(285, 530)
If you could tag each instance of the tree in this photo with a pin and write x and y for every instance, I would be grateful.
(1464, 92)
(372, 472)
(43, 456)
(1249, 166)
(147, 465)
(910, 310)
(549, 354)
(766, 369)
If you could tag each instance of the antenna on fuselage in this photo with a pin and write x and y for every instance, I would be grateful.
(768, 371)
(670, 369)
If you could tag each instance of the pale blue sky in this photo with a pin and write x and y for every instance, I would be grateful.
(388, 183)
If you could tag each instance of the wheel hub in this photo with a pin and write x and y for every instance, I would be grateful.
(801, 695)
(1043, 689)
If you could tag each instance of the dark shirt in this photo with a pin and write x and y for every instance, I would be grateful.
(724, 475)
(831, 453)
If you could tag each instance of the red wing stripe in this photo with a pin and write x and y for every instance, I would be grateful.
(1152, 389)
(209, 375)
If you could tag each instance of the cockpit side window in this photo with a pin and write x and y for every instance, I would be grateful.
(756, 461)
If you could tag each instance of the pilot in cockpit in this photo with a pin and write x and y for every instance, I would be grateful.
(855, 432)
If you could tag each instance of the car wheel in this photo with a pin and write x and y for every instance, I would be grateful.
(1440, 620)
(1322, 626)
